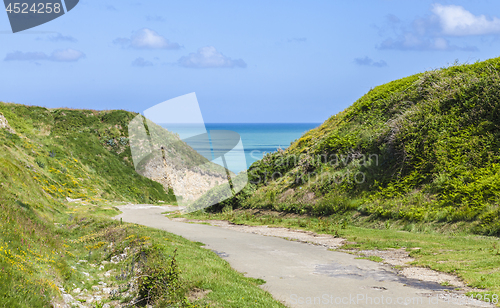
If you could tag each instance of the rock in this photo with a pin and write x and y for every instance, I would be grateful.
(98, 298)
(5, 124)
(108, 273)
(86, 274)
(56, 305)
(82, 261)
(77, 291)
(95, 288)
(118, 258)
(106, 290)
(102, 283)
(72, 200)
(106, 306)
(101, 267)
(104, 262)
(68, 298)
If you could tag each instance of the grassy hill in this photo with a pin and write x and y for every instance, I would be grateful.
(46, 156)
(48, 244)
(421, 149)
(76, 153)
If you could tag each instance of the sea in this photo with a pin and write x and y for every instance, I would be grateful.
(257, 139)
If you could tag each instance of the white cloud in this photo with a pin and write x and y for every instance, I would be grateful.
(62, 55)
(146, 39)
(457, 21)
(437, 31)
(209, 57)
(411, 41)
(66, 55)
(25, 56)
(59, 38)
(141, 62)
(367, 61)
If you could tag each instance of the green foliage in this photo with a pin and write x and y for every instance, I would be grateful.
(85, 153)
(159, 281)
(61, 153)
(421, 148)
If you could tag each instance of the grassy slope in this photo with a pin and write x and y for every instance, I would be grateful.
(424, 148)
(77, 153)
(61, 153)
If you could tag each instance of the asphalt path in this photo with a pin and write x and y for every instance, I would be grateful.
(301, 274)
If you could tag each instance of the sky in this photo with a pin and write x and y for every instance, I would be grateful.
(247, 61)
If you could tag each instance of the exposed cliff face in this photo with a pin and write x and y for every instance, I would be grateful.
(188, 183)
(162, 156)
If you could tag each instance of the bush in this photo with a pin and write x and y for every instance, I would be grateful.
(159, 283)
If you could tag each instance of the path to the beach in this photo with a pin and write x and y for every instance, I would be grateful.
(297, 273)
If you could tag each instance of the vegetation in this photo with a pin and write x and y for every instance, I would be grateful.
(414, 163)
(76, 154)
(49, 246)
(424, 148)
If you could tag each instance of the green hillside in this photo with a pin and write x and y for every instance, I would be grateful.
(76, 153)
(48, 244)
(425, 148)
(46, 156)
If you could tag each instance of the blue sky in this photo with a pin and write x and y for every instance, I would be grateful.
(247, 61)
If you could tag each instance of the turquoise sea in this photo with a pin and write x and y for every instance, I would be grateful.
(257, 139)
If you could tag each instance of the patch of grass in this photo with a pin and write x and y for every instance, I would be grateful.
(372, 258)
(85, 232)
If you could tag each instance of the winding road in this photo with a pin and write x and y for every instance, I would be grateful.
(301, 274)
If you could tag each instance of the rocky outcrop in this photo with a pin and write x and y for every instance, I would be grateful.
(5, 124)
(190, 184)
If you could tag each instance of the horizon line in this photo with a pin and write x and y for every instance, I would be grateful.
(249, 123)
